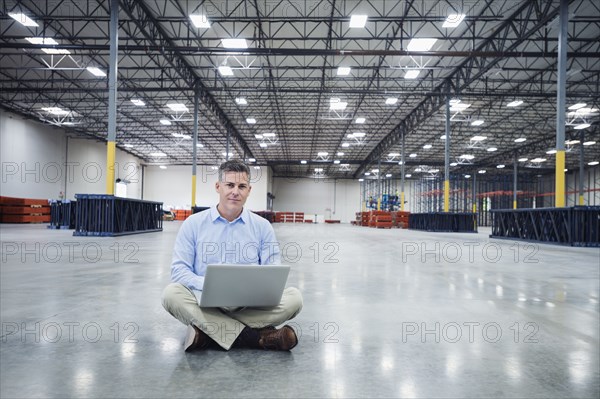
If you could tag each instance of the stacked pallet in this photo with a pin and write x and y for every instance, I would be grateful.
(289, 217)
(298, 217)
(24, 210)
(182, 214)
(381, 220)
(400, 219)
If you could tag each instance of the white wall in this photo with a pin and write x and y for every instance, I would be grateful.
(40, 161)
(32, 156)
(316, 196)
(173, 186)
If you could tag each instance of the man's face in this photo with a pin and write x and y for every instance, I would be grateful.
(233, 190)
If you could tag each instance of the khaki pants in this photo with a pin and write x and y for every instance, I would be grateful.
(223, 325)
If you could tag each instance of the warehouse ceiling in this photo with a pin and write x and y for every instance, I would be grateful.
(310, 95)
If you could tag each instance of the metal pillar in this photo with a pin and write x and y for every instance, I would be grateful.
(195, 143)
(474, 192)
(515, 181)
(379, 188)
(560, 106)
(227, 145)
(581, 167)
(447, 159)
(402, 169)
(112, 98)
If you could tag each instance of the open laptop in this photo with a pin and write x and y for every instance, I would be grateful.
(243, 285)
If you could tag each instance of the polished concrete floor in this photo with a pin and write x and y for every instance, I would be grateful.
(387, 313)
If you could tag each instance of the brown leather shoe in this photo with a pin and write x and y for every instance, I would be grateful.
(195, 339)
(284, 339)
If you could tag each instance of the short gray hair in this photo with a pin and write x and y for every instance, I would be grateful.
(235, 165)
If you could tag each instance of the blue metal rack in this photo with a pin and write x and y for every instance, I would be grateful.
(576, 226)
(107, 215)
(443, 222)
(62, 214)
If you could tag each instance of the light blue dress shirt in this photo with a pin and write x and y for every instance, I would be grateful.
(207, 238)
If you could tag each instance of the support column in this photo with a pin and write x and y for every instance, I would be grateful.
(559, 200)
(112, 98)
(195, 143)
(402, 170)
(515, 181)
(581, 166)
(379, 188)
(227, 145)
(447, 159)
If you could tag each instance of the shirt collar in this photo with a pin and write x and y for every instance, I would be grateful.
(215, 215)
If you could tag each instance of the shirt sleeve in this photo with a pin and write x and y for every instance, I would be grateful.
(184, 258)
(269, 248)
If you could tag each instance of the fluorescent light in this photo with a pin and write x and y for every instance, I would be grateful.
(227, 153)
(241, 101)
(224, 70)
(393, 154)
(251, 159)
(258, 136)
(359, 135)
(418, 170)
(408, 175)
(443, 137)
(128, 145)
(269, 135)
(515, 103)
(96, 71)
(593, 163)
(478, 122)
(482, 171)
(522, 159)
(56, 51)
(427, 146)
(318, 170)
(358, 21)
(589, 143)
(453, 20)
(388, 175)
(162, 167)
(467, 156)
(257, 167)
(391, 100)
(165, 122)
(345, 145)
(22, 19)
(178, 107)
(453, 164)
(361, 179)
(459, 107)
(336, 104)
(200, 145)
(467, 176)
(340, 154)
(582, 111)
(42, 40)
(234, 43)
(575, 107)
(520, 140)
(423, 44)
(454, 101)
(434, 170)
(263, 145)
(322, 154)
(582, 126)
(250, 121)
(303, 162)
(413, 155)
(572, 142)
(478, 138)
(551, 152)
(412, 73)
(538, 160)
(343, 71)
(56, 111)
(137, 102)
(500, 166)
(337, 161)
(492, 149)
(200, 21)
(360, 120)
(375, 170)
(158, 154)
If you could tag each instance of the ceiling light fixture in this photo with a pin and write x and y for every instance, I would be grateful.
(48, 41)
(343, 71)
(500, 166)
(137, 102)
(340, 154)
(225, 70)
(481, 171)
(360, 120)
(413, 155)
(56, 111)
(412, 73)
(478, 138)
(162, 167)
(492, 149)
(514, 103)
(586, 143)
(128, 145)
(165, 122)
(250, 121)
(427, 146)
(96, 71)
(523, 159)
(322, 154)
(423, 44)
(520, 140)
(345, 145)
(241, 101)
(234, 43)
(467, 156)
(575, 107)
(200, 21)
(303, 162)
(178, 107)
(336, 104)
(263, 145)
(593, 163)
(337, 161)
(477, 122)
(391, 101)
(582, 126)
(56, 51)
(358, 21)
(158, 154)
(550, 152)
(22, 19)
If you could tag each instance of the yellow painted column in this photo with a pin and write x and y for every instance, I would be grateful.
(402, 201)
(560, 179)
(379, 203)
(514, 204)
(446, 195)
(581, 202)
(110, 167)
(193, 190)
